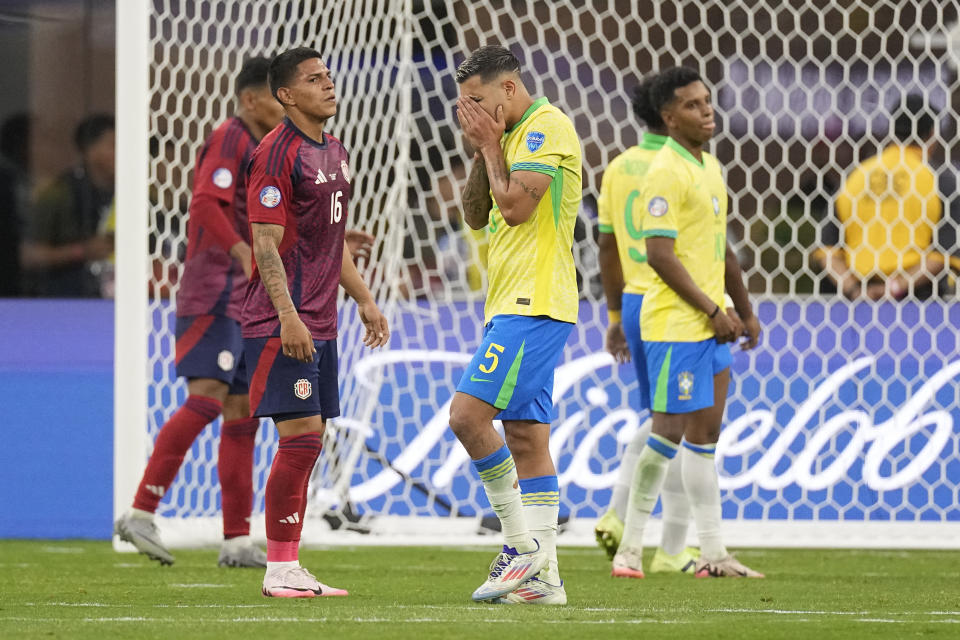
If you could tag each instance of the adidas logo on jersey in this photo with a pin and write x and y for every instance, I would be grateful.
(320, 177)
(155, 489)
(291, 519)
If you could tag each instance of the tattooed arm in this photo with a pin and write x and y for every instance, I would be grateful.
(294, 335)
(476, 195)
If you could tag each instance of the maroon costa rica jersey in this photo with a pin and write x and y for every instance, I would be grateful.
(213, 281)
(304, 186)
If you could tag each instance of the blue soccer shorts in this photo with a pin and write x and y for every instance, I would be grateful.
(512, 369)
(210, 346)
(630, 318)
(680, 374)
(283, 388)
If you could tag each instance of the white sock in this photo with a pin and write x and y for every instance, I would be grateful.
(676, 509)
(290, 564)
(628, 464)
(238, 542)
(703, 491)
(499, 476)
(141, 514)
(647, 481)
(541, 507)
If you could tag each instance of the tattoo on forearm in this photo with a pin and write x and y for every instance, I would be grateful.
(476, 196)
(270, 266)
(530, 191)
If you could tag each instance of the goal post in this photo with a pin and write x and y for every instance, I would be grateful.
(840, 429)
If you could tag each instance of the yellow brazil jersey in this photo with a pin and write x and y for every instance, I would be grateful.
(685, 199)
(530, 266)
(889, 208)
(619, 210)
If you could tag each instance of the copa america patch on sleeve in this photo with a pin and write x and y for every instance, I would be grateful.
(223, 178)
(535, 140)
(270, 197)
(658, 206)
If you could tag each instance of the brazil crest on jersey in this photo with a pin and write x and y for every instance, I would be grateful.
(530, 266)
(684, 199)
(620, 208)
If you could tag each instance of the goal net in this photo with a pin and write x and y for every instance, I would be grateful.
(840, 428)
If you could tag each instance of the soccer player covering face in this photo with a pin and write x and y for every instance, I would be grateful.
(525, 189)
(297, 201)
(209, 346)
(683, 325)
(626, 276)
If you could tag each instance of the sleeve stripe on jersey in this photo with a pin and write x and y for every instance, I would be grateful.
(232, 139)
(606, 228)
(279, 152)
(539, 167)
(662, 233)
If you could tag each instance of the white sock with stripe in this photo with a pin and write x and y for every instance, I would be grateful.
(541, 508)
(676, 509)
(703, 490)
(647, 482)
(499, 475)
(628, 464)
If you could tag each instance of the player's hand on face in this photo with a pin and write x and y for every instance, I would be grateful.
(478, 127)
(751, 331)
(360, 243)
(375, 323)
(616, 343)
(295, 338)
(723, 327)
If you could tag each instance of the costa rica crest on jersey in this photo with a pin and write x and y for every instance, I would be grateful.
(535, 140)
(302, 388)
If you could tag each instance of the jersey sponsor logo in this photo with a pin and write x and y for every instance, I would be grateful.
(345, 170)
(223, 178)
(658, 207)
(302, 388)
(716, 205)
(535, 140)
(270, 197)
(225, 360)
(685, 382)
(320, 177)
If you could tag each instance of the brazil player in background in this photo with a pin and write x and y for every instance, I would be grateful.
(525, 189)
(298, 196)
(683, 324)
(626, 276)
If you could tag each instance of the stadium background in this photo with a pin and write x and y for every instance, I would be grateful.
(804, 91)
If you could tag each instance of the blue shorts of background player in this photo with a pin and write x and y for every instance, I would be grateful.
(512, 369)
(210, 346)
(680, 374)
(283, 388)
(630, 319)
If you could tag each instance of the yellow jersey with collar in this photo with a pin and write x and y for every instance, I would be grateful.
(620, 208)
(530, 266)
(685, 199)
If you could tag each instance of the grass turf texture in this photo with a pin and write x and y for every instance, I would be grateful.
(67, 589)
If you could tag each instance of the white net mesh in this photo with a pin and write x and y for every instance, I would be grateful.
(845, 415)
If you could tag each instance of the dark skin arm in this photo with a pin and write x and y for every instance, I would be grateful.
(664, 261)
(611, 275)
(733, 283)
(294, 335)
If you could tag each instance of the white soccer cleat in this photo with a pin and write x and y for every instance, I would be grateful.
(535, 591)
(728, 567)
(296, 582)
(143, 534)
(628, 563)
(241, 554)
(508, 571)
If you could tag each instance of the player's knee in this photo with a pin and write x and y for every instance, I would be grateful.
(236, 407)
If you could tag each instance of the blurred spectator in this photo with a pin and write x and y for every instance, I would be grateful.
(14, 190)
(65, 235)
(882, 240)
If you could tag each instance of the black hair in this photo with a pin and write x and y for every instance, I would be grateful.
(912, 119)
(669, 80)
(642, 106)
(488, 62)
(91, 129)
(254, 73)
(283, 68)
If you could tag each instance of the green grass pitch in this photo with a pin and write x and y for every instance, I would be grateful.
(68, 589)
